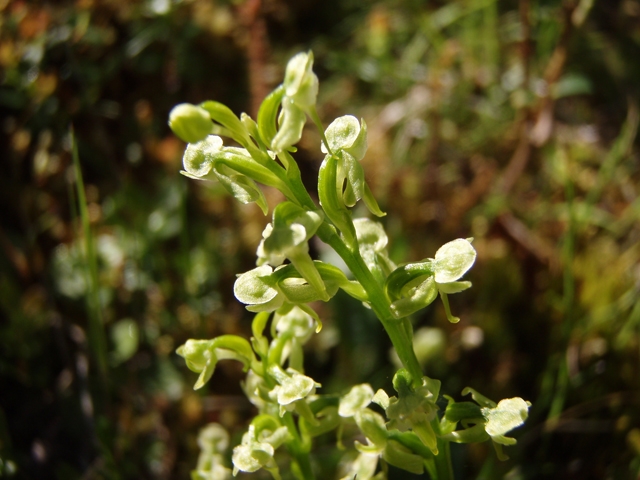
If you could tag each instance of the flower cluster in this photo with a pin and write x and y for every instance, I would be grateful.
(413, 433)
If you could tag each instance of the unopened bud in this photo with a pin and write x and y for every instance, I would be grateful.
(190, 122)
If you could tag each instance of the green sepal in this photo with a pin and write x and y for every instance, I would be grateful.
(372, 426)
(264, 289)
(199, 156)
(326, 420)
(268, 114)
(256, 288)
(417, 294)
(292, 119)
(253, 454)
(453, 260)
(238, 159)
(288, 213)
(252, 129)
(453, 287)
(332, 276)
(347, 134)
(293, 386)
(510, 413)
(268, 429)
(240, 187)
(355, 179)
(479, 398)
(401, 276)
(236, 344)
(259, 341)
(201, 356)
(475, 434)
(287, 237)
(411, 441)
(356, 399)
(400, 456)
(459, 411)
(371, 202)
(332, 202)
(223, 115)
(298, 291)
(300, 83)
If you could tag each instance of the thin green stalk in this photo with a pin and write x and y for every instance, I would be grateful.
(97, 338)
(318, 123)
(378, 300)
(568, 247)
(380, 304)
(296, 447)
(444, 468)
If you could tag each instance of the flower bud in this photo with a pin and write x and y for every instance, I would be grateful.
(190, 122)
(300, 83)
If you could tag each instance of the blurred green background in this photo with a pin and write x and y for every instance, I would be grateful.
(514, 122)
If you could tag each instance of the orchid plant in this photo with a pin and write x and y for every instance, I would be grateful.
(411, 430)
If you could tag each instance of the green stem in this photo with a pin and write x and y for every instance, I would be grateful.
(380, 304)
(444, 469)
(297, 448)
(313, 113)
(378, 299)
(97, 340)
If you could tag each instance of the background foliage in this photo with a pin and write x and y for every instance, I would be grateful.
(514, 122)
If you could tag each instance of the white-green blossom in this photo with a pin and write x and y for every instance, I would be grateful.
(213, 441)
(292, 387)
(358, 398)
(413, 286)
(413, 409)
(491, 421)
(300, 92)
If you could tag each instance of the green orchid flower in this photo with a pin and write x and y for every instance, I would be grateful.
(213, 441)
(300, 92)
(486, 420)
(414, 408)
(414, 286)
